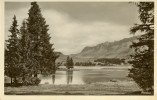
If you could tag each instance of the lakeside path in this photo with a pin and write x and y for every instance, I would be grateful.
(105, 88)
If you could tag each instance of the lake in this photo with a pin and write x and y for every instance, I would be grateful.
(87, 75)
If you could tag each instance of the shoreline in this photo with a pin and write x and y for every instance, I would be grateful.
(95, 67)
(103, 88)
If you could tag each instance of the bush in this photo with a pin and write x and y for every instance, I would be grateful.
(31, 81)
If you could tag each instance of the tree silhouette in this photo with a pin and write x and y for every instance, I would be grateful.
(29, 52)
(143, 59)
(12, 56)
(69, 63)
(41, 49)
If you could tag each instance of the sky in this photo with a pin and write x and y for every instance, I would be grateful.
(75, 25)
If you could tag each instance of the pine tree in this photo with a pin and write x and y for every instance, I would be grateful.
(143, 59)
(71, 63)
(12, 56)
(24, 44)
(68, 63)
(42, 52)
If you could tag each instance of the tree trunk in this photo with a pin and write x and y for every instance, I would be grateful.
(15, 80)
(23, 78)
(11, 81)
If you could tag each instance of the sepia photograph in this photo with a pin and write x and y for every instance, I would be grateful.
(79, 48)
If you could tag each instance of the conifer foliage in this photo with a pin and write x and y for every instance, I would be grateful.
(12, 56)
(143, 59)
(69, 63)
(29, 51)
(41, 50)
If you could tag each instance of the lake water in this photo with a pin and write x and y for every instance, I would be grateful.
(86, 75)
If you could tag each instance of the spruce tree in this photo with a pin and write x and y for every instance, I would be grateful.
(143, 59)
(71, 63)
(42, 52)
(68, 63)
(24, 44)
(12, 55)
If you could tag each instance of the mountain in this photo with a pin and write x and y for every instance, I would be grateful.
(116, 49)
(62, 57)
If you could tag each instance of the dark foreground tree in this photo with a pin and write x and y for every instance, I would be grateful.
(25, 45)
(42, 53)
(12, 57)
(143, 59)
(29, 51)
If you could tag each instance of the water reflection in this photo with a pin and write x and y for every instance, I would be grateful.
(84, 76)
(53, 77)
(69, 76)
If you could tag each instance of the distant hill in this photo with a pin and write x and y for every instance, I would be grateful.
(116, 49)
(62, 57)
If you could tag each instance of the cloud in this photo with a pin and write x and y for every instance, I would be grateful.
(70, 36)
(21, 14)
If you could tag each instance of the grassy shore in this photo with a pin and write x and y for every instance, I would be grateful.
(105, 88)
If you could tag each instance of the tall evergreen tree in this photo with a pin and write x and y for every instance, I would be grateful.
(29, 51)
(41, 48)
(12, 56)
(24, 44)
(143, 59)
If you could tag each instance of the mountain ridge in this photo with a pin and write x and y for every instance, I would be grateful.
(117, 49)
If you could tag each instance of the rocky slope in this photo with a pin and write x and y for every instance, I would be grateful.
(116, 49)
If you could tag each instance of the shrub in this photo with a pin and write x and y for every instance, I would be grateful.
(31, 81)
